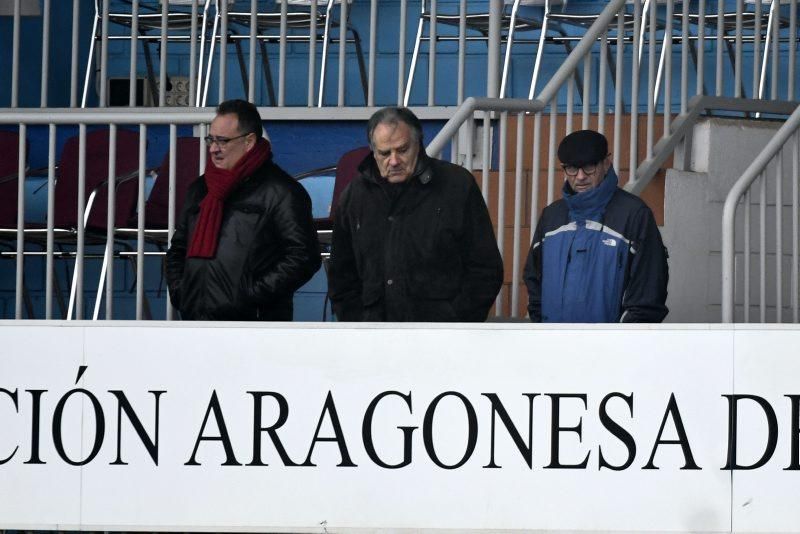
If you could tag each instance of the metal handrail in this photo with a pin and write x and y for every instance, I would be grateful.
(752, 172)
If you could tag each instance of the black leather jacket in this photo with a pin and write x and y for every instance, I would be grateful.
(267, 249)
(426, 253)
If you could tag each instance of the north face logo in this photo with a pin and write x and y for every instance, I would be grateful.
(610, 242)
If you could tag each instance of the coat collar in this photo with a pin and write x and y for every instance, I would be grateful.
(591, 204)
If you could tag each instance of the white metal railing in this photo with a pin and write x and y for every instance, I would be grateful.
(556, 104)
(749, 43)
(776, 168)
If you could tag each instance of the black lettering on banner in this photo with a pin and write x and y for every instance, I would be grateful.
(36, 404)
(772, 431)
(150, 444)
(472, 433)
(366, 432)
(15, 399)
(498, 409)
(620, 433)
(683, 440)
(556, 430)
(330, 408)
(99, 431)
(213, 406)
(283, 415)
(794, 464)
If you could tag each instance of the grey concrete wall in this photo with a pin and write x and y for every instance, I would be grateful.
(721, 151)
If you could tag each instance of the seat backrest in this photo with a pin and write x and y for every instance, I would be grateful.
(9, 166)
(346, 170)
(97, 145)
(187, 169)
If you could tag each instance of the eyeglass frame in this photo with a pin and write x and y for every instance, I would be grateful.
(222, 142)
(577, 168)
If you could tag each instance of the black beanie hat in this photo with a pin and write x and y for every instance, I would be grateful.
(583, 147)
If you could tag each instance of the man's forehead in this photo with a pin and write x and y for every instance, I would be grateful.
(225, 121)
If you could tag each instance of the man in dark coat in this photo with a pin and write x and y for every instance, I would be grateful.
(245, 239)
(412, 238)
(597, 254)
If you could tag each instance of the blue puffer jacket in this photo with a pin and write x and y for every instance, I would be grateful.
(597, 257)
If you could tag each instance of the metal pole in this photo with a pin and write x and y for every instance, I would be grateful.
(45, 52)
(51, 193)
(493, 53)
(312, 53)
(140, 221)
(251, 64)
(432, 32)
(173, 148)
(15, 57)
(108, 261)
(501, 201)
(462, 48)
(342, 53)
(20, 280)
(401, 52)
(193, 55)
(373, 45)
(779, 237)
(132, 76)
(223, 55)
(518, 191)
(737, 71)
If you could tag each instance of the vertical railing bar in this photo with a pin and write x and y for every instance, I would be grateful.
(325, 39)
(312, 52)
(509, 43)
(108, 261)
(795, 225)
(757, 49)
(790, 90)
(762, 287)
(747, 252)
(634, 127)
(601, 84)
(81, 221)
(171, 201)
(203, 128)
(373, 40)
(205, 83)
(162, 64)
(51, 193)
(73, 74)
(551, 152)
(132, 74)
(537, 63)
(342, 52)
(518, 189)
(570, 103)
(720, 44)
(193, 55)
(768, 39)
(776, 49)
(486, 147)
(737, 68)
(501, 201)
(432, 32)
(251, 60)
(45, 52)
(15, 55)
(536, 165)
(19, 286)
(104, 56)
(140, 220)
(701, 48)
(223, 50)
(779, 237)
(651, 82)
(667, 45)
(462, 48)
(469, 149)
(684, 57)
(585, 100)
(401, 52)
(618, 106)
(282, 55)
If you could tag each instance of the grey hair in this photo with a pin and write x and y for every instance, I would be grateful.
(393, 116)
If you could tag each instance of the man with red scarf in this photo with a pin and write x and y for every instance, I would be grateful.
(245, 239)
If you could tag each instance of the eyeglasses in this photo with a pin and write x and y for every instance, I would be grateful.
(222, 142)
(588, 169)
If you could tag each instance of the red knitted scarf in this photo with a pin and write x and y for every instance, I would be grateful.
(220, 183)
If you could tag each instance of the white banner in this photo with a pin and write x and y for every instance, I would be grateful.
(333, 428)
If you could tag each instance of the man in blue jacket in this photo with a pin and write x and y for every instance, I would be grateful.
(597, 254)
